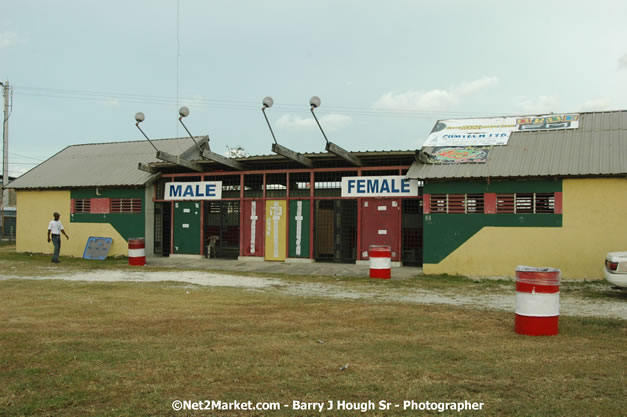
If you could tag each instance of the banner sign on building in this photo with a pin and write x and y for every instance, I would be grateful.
(494, 131)
(385, 186)
(459, 155)
(204, 190)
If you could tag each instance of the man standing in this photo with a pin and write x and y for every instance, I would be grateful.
(55, 228)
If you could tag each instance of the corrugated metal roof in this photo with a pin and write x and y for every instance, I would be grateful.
(100, 164)
(597, 147)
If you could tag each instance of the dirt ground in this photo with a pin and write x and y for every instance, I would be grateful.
(500, 298)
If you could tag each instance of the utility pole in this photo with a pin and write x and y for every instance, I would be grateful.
(5, 156)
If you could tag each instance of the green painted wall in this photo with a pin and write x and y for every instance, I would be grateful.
(444, 233)
(128, 225)
(304, 236)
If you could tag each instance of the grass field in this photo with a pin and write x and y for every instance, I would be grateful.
(130, 349)
(77, 349)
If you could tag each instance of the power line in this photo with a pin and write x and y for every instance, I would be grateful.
(26, 156)
(231, 104)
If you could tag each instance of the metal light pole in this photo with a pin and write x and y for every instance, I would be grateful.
(5, 155)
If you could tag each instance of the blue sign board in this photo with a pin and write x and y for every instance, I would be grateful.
(384, 186)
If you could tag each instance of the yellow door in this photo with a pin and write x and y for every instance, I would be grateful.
(276, 240)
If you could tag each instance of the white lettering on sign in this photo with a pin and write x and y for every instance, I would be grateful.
(383, 232)
(387, 186)
(203, 190)
(299, 225)
(253, 225)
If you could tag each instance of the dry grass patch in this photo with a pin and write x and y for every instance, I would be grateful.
(113, 349)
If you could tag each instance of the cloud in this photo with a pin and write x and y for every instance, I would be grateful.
(329, 122)
(540, 104)
(111, 102)
(622, 62)
(416, 100)
(8, 39)
(194, 101)
(475, 86)
(435, 99)
(595, 104)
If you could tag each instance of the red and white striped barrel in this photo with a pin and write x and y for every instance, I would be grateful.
(537, 301)
(380, 261)
(136, 251)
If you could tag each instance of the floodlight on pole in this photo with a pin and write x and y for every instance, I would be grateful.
(267, 103)
(314, 102)
(139, 117)
(184, 112)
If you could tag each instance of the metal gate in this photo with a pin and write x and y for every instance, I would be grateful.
(221, 228)
(412, 232)
(276, 219)
(299, 229)
(336, 230)
(163, 220)
(252, 244)
(186, 227)
(380, 225)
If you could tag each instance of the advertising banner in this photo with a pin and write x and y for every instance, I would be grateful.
(494, 131)
(459, 155)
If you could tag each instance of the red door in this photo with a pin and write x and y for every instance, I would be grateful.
(252, 245)
(380, 225)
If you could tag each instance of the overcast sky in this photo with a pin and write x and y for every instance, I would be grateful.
(385, 71)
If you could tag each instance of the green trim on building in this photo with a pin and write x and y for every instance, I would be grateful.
(444, 233)
(128, 225)
(504, 187)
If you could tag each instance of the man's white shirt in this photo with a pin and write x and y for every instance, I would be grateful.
(55, 227)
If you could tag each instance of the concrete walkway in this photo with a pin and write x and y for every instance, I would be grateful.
(316, 268)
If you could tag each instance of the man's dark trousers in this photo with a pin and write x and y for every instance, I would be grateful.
(56, 241)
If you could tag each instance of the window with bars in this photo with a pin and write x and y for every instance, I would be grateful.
(526, 203)
(126, 205)
(457, 203)
(82, 205)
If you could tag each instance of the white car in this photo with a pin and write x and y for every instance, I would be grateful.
(616, 268)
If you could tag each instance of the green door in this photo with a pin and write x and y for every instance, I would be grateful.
(299, 229)
(186, 227)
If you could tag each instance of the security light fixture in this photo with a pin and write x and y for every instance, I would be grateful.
(184, 112)
(164, 156)
(139, 117)
(206, 153)
(267, 102)
(314, 102)
(279, 149)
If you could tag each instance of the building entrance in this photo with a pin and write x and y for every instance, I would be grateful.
(335, 238)
(221, 228)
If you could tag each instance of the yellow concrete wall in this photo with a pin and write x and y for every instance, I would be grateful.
(34, 212)
(594, 222)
